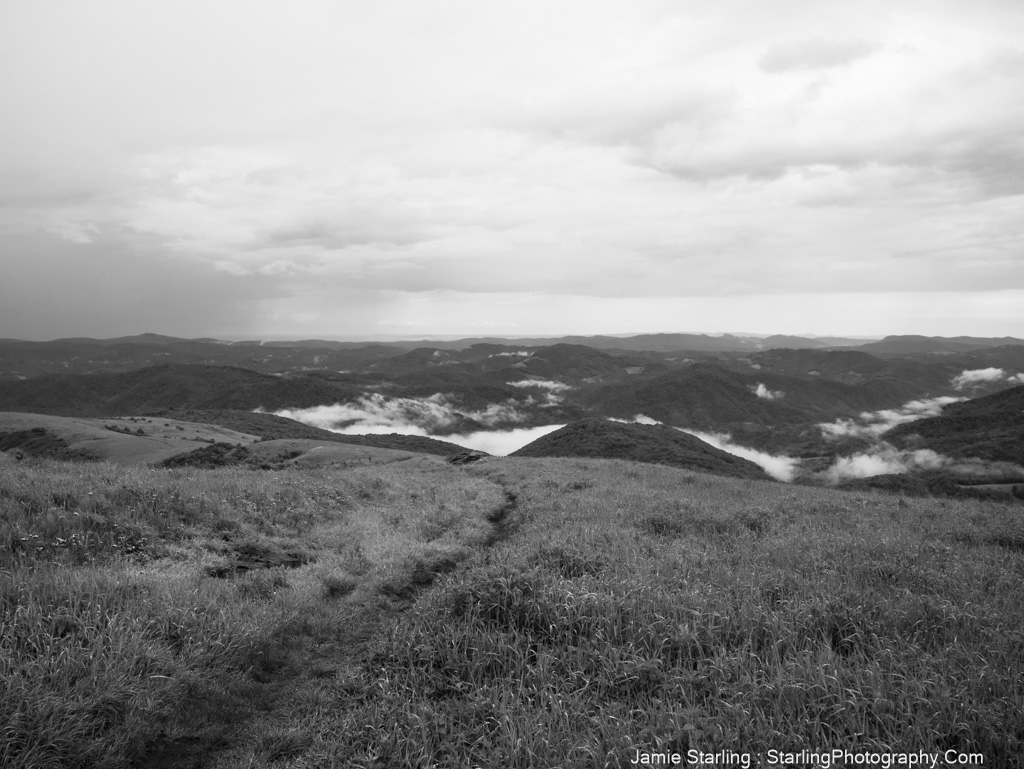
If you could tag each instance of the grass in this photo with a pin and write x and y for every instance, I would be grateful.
(133, 606)
(432, 621)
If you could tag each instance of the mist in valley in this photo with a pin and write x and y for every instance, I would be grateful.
(502, 428)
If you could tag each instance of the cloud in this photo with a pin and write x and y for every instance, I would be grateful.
(433, 417)
(121, 282)
(552, 397)
(645, 420)
(377, 414)
(782, 468)
(761, 391)
(885, 459)
(814, 54)
(639, 419)
(779, 467)
(871, 424)
(546, 384)
(501, 443)
(640, 150)
(978, 376)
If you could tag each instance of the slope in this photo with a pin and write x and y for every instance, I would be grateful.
(273, 427)
(168, 386)
(122, 440)
(655, 444)
(990, 427)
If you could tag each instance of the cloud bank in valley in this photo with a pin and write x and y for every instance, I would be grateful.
(377, 414)
(501, 443)
(781, 468)
(553, 388)
(871, 424)
(433, 417)
(884, 459)
(979, 376)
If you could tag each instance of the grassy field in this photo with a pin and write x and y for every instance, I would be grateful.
(510, 613)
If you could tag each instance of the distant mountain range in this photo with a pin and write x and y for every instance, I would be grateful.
(167, 386)
(910, 344)
(773, 394)
(22, 359)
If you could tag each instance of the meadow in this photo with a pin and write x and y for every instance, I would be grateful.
(510, 613)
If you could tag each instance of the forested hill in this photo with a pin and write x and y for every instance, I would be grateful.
(654, 444)
(990, 427)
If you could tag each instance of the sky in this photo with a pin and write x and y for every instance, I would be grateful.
(411, 168)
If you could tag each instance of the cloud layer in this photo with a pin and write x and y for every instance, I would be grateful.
(883, 458)
(377, 414)
(433, 416)
(781, 468)
(761, 391)
(979, 376)
(501, 443)
(872, 424)
(549, 388)
(457, 167)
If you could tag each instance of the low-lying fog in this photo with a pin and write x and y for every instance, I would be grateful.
(377, 415)
(436, 415)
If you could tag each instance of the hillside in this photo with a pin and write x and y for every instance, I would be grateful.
(122, 440)
(273, 427)
(284, 453)
(712, 397)
(656, 444)
(514, 612)
(990, 427)
(174, 386)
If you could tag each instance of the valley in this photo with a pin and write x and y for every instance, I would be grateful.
(819, 411)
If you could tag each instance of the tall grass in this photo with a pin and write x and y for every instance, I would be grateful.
(114, 628)
(643, 609)
(614, 608)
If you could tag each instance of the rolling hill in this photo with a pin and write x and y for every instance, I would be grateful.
(654, 444)
(168, 386)
(990, 427)
(272, 427)
(204, 439)
(123, 440)
(714, 397)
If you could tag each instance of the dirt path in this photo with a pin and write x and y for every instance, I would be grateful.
(299, 695)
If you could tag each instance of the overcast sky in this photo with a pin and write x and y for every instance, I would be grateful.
(409, 167)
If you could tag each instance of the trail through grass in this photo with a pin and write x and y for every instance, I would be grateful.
(429, 621)
(643, 609)
(134, 613)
